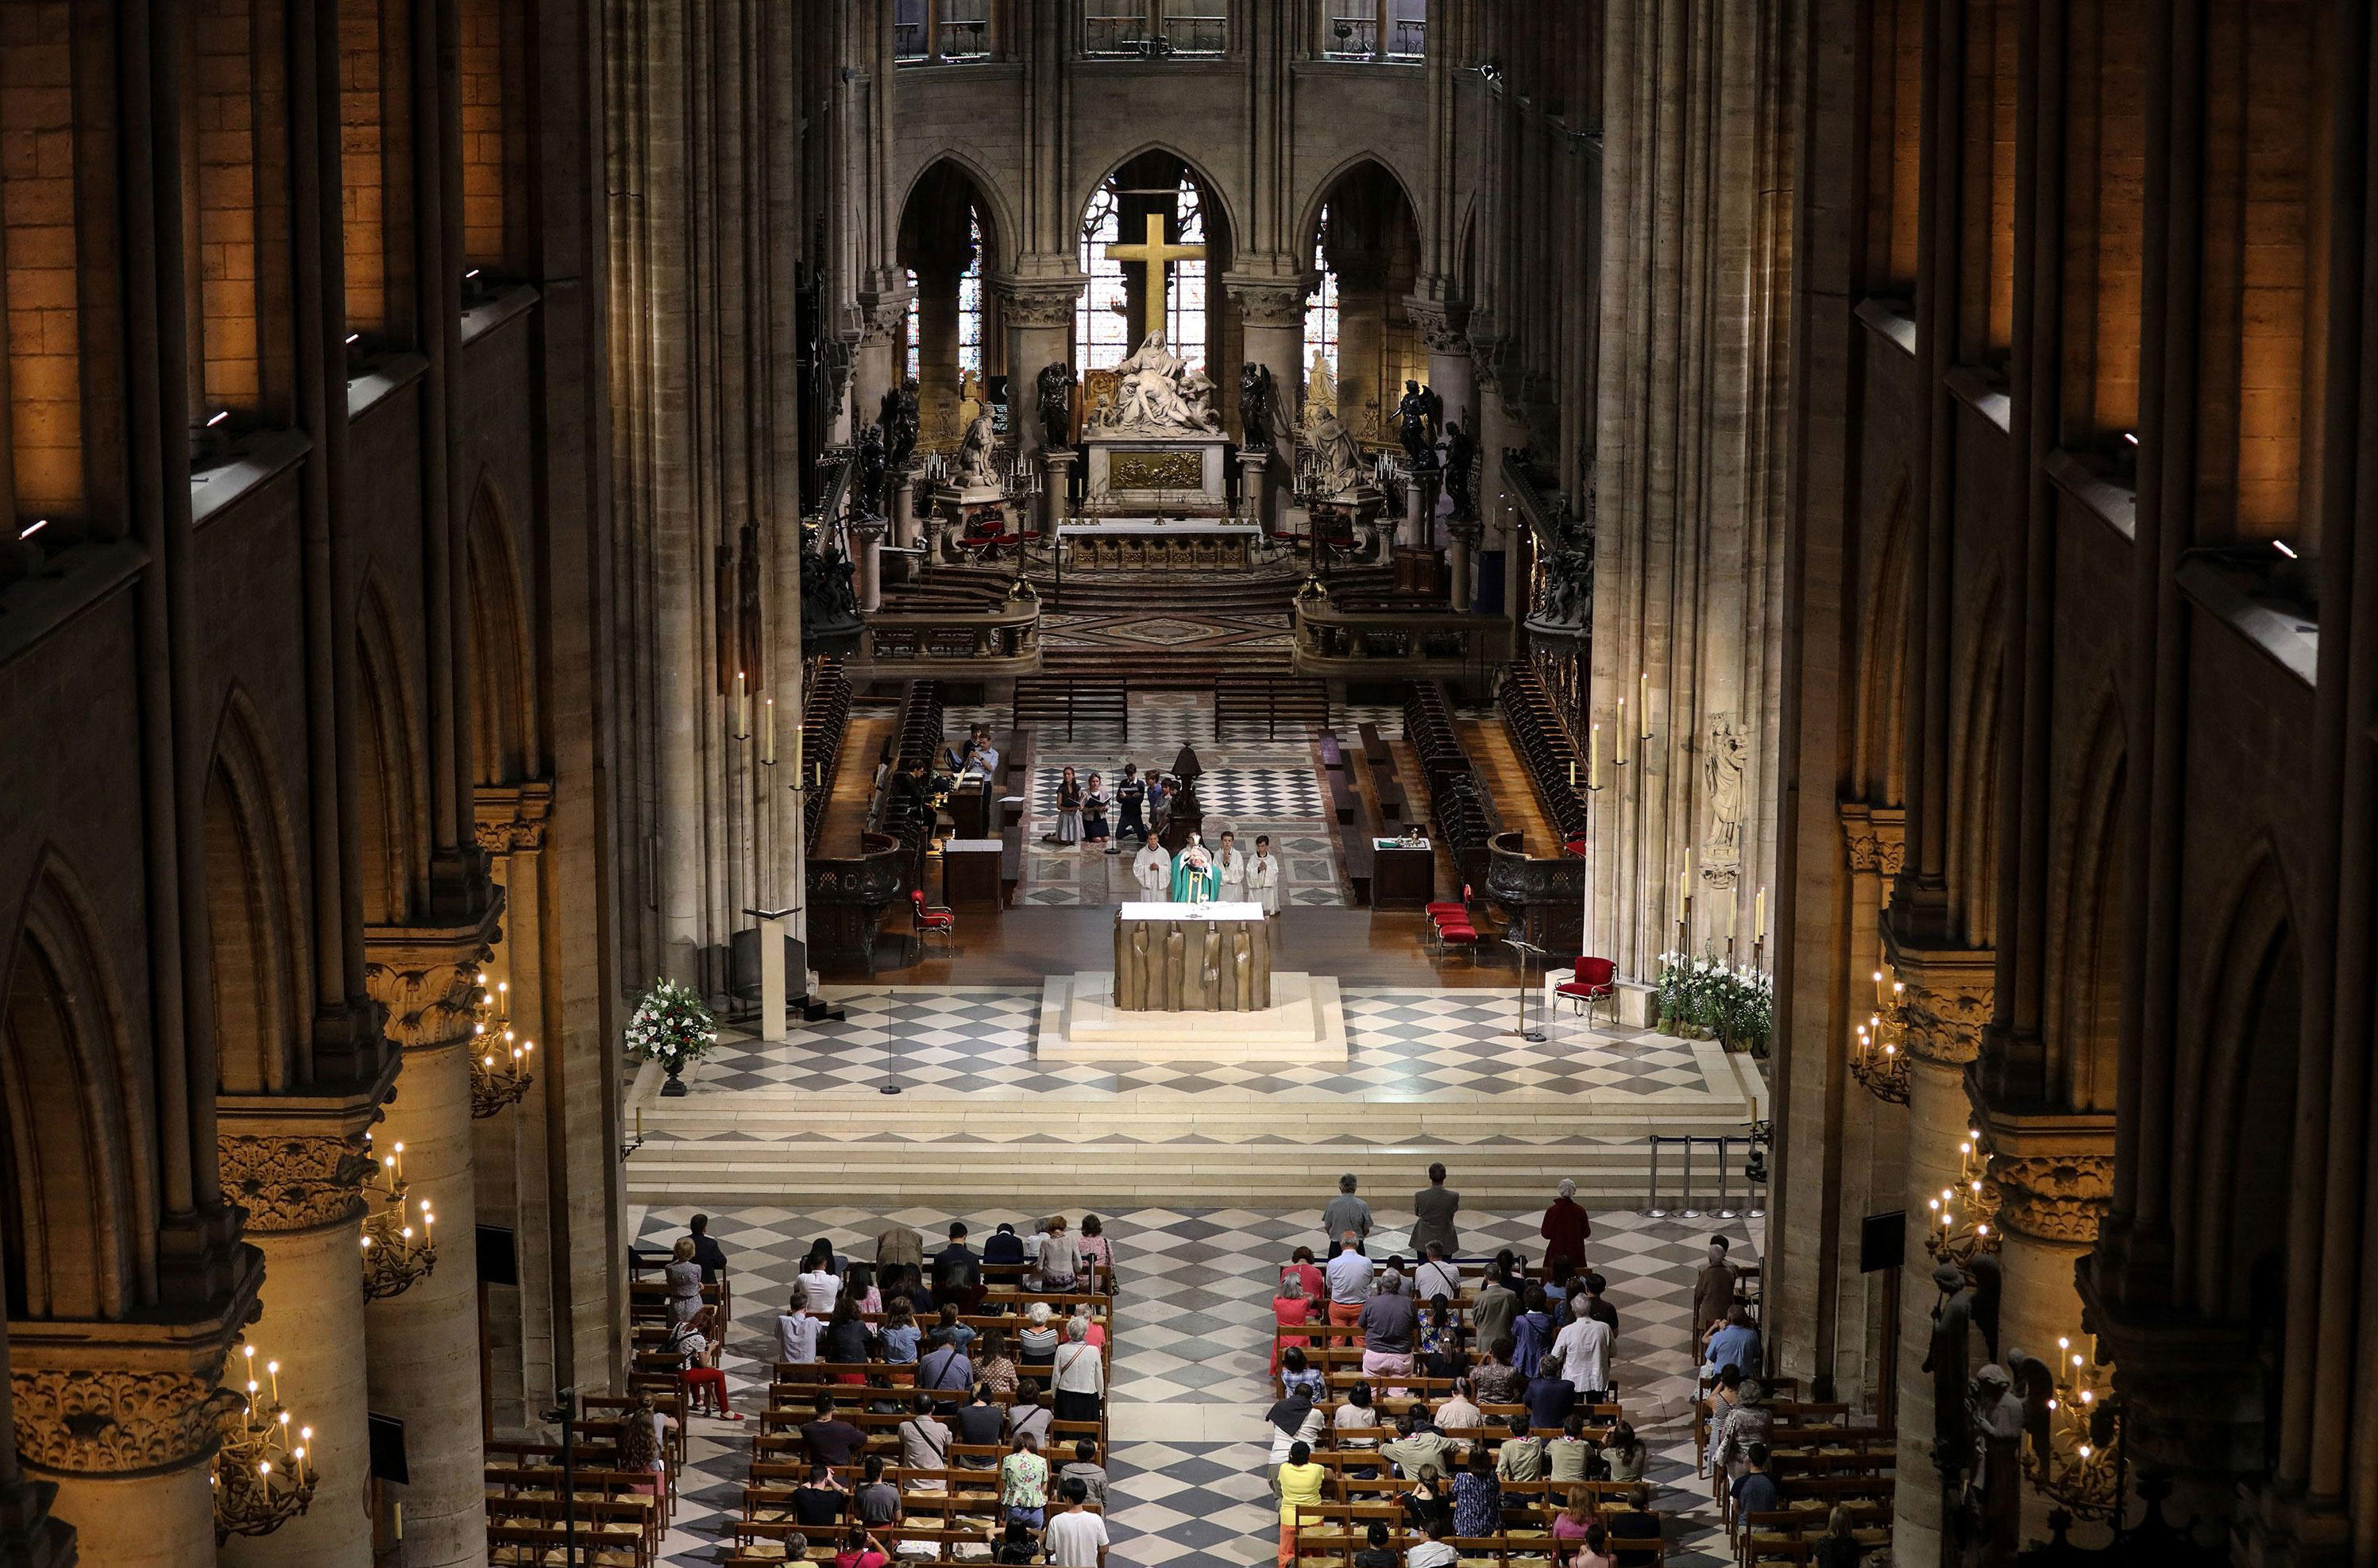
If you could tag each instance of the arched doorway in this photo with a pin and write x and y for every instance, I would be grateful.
(1358, 346)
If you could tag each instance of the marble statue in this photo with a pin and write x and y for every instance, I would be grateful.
(1460, 458)
(1338, 463)
(1729, 753)
(1156, 394)
(1056, 389)
(974, 470)
(1320, 394)
(1258, 405)
(1417, 419)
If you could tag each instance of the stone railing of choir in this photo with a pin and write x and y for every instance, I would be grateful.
(994, 641)
(1395, 637)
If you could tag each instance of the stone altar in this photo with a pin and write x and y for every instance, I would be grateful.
(1192, 958)
(1138, 476)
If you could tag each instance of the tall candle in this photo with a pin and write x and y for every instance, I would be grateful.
(1572, 775)
(768, 734)
(1646, 706)
(1622, 732)
(1759, 917)
(1684, 892)
(1593, 759)
(743, 708)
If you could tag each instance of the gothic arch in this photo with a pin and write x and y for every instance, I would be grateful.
(2085, 880)
(1308, 220)
(77, 1179)
(1973, 783)
(999, 208)
(503, 692)
(1234, 227)
(391, 776)
(254, 926)
(2234, 1096)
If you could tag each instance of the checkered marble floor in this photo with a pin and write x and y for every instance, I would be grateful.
(1191, 1336)
(1436, 1046)
(1247, 785)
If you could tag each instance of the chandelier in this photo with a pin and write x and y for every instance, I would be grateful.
(394, 1256)
(499, 1058)
(1959, 1224)
(2082, 1467)
(1880, 1059)
(262, 1478)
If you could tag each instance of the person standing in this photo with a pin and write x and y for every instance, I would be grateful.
(1024, 1482)
(1152, 869)
(1390, 1322)
(1565, 1228)
(1584, 1349)
(1713, 1289)
(1075, 1537)
(1347, 1212)
(706, 1250)
(1079, 1380)
(1263, 876)
(1348, 1274)
(1232, 865)
(1434, 1207)
(1069, 812)
(1492, 1312)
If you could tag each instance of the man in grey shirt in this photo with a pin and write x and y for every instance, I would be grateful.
(1492, 1312)
(1434, 1207)
(1347, 1212)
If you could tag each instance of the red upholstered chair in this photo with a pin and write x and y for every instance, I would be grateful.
(1463, 935)
(1595, 980)
(931, 920)
(1441, 912)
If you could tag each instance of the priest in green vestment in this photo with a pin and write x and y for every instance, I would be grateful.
(1196, 878)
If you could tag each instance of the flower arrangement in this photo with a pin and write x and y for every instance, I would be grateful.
(1735, 1003)
(671, 1027)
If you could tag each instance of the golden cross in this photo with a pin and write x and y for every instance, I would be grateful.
(1153, 255)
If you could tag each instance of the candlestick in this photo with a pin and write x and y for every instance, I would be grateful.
(1683, 888)
(640, 1124)
(1622, 732)
(396, 1163)
(1572, 775)
(742, 709)
(273, 1370)
(1593, 759)
(1646, 715)
(768, 734)
(1759, 917)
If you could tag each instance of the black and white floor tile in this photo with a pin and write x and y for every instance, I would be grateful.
(1192, 1318)
(1436, 1046)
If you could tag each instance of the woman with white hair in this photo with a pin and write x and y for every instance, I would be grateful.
(1565, 1229)
(1080, 1382)
(1035, 1344)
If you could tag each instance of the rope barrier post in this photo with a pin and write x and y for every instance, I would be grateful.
(1688, 1212)
(1726, 1209)
(1651, 1210)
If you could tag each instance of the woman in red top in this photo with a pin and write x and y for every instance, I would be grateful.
(862, 1550)
(1307, 1274)
(1565, 1229)
(1292, 1308)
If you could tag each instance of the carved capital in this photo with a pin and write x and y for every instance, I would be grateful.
(882, 311)
(1945, 1018)
(512, 818)
(93, 1422)
(1442, 327)
(427, 980)
(1276, 302)
(1033, 302)
(295, 1182)
(2057, 1198)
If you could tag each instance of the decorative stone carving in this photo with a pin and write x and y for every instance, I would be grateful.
(1944, 1024)
(2057, 1198)
(294, 1182)
(1440, 327)
(1723, 763)
(1047, 306)
(428, 987)
(881, 312)
(1271, 305)
(89, 1422)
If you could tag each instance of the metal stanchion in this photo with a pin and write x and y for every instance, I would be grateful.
(1726, 1209)
(1651, 1210)
(1688, 1212)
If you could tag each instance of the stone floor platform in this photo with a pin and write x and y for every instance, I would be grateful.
(1080, 1022)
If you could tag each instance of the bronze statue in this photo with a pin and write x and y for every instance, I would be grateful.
(867, 483)
(1259, 406)
(1417, 419)
(1951, 1325)
(1056, 389)
(898, 418)
(1460, 457)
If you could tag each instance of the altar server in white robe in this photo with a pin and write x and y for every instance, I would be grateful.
(1152, 869)
(1263, 876)
(1234, 867)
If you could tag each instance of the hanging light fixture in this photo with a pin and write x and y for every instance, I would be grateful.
(264, 1475)
(1878, 1058)
(499, 1056)
(2083, 1465)
(395, 1253)
(1959, 1227)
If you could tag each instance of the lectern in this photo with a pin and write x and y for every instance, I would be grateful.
(776, 936)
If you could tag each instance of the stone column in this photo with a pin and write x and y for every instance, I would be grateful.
(1363, 404)
(298, 1169)
(903, 486)
(1272, 311)
(1464, 535)
(1037, 311)
(1945, 1008)
(870, 534)
(2051, 1196)
(1255, 486)
(882, 310)
(123, 1418)
(425, 1343)
(1056, 486)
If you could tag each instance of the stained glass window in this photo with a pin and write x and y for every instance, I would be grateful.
(970, 300)
(1321, 311)
(1101, 330)
(915, 336)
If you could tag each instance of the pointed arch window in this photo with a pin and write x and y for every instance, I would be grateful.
(1102, 337)
(1321, 314)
